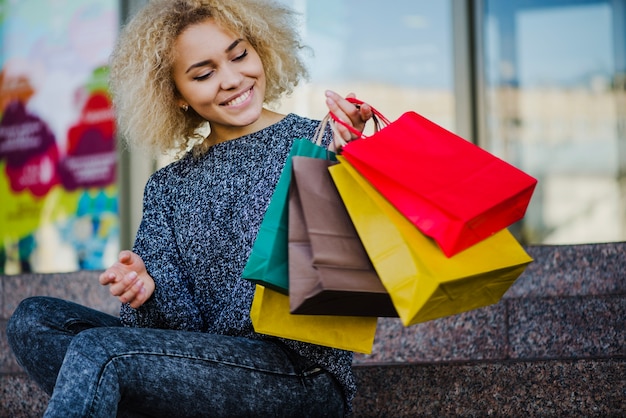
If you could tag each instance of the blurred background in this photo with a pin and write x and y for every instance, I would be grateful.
(539, 83)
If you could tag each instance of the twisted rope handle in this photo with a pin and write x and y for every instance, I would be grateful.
(321, 129)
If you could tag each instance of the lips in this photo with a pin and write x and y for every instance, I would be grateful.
(239, 99)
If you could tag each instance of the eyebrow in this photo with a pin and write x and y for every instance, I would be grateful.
(207, 62)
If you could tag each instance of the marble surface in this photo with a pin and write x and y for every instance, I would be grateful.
(573, 270)
(555, 345)
(20, 397)
(512, 389)
(569, 303)
(79, 286)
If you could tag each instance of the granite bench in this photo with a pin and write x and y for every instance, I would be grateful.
(553, 346)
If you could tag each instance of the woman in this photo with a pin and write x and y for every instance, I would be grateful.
(184, 344)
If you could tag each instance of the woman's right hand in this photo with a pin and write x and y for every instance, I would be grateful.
(129, 280)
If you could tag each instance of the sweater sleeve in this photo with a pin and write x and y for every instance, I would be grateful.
(171, 305)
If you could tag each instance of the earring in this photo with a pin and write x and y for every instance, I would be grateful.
(185, 107)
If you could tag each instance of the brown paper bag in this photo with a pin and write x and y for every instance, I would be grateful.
(329, 270)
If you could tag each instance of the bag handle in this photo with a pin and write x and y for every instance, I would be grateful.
(319, 137)
(376, 115)
(320, 130)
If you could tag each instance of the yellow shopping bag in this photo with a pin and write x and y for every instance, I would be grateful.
(270, 315)
(423, 283)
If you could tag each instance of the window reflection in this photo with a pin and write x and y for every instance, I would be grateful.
(552, 105)
(396, 58)
(551, 89)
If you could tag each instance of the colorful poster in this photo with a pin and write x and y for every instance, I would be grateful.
(58, 159)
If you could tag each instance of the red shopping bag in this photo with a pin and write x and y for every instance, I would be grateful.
(452, 190)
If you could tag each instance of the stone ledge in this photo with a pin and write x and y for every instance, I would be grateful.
(569, 303)
(582, 388)
(554, 345)
(21, 397)
(80, 286)
(522, 329)
(573, 270)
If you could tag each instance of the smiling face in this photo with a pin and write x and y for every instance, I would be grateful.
(221, 77)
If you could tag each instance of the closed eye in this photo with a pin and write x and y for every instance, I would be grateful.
(241, 56)
(203, 76)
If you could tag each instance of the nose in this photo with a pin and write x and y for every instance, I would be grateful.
(231, 77)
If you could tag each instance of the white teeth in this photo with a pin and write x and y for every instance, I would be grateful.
(239, 99)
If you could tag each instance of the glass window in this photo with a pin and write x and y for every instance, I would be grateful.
(554, 72)
(396, 58)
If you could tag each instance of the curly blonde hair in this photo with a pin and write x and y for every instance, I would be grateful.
(141, 82)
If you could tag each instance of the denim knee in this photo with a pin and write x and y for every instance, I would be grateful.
(24, 319)
(38, 352)
(93, 344)
(85, 372)
(41, 329)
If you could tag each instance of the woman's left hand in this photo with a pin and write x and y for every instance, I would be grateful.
(129, 280)
(351, 114)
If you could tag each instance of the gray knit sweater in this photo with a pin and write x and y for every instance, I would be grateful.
(201, 217)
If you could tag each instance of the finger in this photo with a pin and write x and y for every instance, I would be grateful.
(140, 299)
(352, 110)
(332, 103)
(341, 135)
(133, 295)
(356, 115)
(139, 296)
(107, 277)
(125, 257)
(365, 112)
(343, 131)
(119, 287)
(342, 108)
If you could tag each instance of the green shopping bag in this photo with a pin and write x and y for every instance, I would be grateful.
(268, 264)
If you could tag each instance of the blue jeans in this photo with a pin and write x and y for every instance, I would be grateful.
(94, 367)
